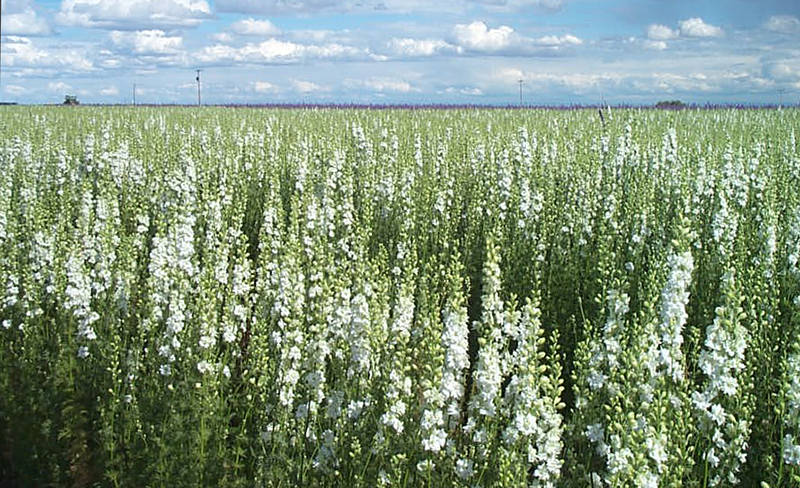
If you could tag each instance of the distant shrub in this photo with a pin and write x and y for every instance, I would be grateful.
(670, 104)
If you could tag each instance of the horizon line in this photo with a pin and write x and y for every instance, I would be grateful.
(663, 105)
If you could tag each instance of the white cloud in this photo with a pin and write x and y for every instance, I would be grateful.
(696, 27)
(147, 42)
(253, 27)
(506, 74)
(223, 37)
(15, 90)
(264, 87)
(58, 87)
(383, 85)
(558, 41)
(573, 82)
(472, 91)
(277, 51)
(135, 14)
(577, 82)
(658, 32)
(418, 47)
(303, 86)
(21, 52)
(275, 7)
(675, 82)
(314, 35)
(110, 91)
(108, 59)
(293, 7)
(786, 24)
(20, 19)
(506, 5)
(655, 45)
(783, 71)
(478, 37)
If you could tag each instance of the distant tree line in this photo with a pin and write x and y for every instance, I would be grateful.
(671, 104)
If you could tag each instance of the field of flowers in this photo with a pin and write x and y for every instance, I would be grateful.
(320, 297)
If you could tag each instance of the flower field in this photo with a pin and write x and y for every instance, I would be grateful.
(466, 297)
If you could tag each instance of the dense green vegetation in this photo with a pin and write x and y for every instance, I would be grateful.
(219, 297)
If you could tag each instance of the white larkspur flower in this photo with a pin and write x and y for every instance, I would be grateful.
(465, 469)
(205, 367)
(596, 380)
(674, 299)
(436, 441)
(455, 341)
(790, 451)
(722, 361)
(619, 460)
(207, 341)
(646, 479)
(791, 419)
(355, 408)
(358, 335)
(595, 433)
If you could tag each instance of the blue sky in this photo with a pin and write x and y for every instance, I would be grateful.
(394, 51)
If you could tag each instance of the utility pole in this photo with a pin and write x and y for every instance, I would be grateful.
(198, 87)
(520, 91)
(134, 94)
(781, 91)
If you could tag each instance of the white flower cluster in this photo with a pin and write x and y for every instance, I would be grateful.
(5, 201)
(455, 340)
(732, 192)
(488, 374)
(403, 317)
(604, 358)
(326, 459)
(358, 333)
(43, 261)
(791, 441)
(674, 299)
(793, 246)
(291, 356)
(172, 265)
(724, 226)
(434, 436)
(722, 362)
(241, 301)
(395, 413)
(11, 295)
(533, 418)
(79, 301)
(503, 184)
(791, 417)
(104, 242)
(399, 388)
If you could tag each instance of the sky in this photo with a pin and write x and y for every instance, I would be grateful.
(401, 52)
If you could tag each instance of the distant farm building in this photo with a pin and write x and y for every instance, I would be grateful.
(71, 100)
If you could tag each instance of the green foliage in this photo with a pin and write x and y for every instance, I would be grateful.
(216, 297)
